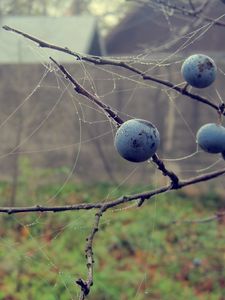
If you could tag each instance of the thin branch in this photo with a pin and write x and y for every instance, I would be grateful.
(161, 166)
(54, 209)
(42, 44)
(192, 5)
(118, 63)
(86, 285)
(119, 201)
(218, 216)
(80, 90)
(180, 9)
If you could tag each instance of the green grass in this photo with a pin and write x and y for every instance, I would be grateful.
(139, 254)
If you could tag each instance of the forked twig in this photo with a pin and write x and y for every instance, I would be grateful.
(147, 195)
(86, 285)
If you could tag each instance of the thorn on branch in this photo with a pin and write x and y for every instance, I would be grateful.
(41, 44)
(40, 208)
(141, 202)
(221, 108)
(83, 285)
(125, 198)
(184, 89)
(6, 28)
(173, 177)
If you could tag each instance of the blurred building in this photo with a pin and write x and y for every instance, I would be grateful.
(149, 29)
(78, 33)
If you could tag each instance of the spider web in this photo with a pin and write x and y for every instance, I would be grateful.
(64, 131)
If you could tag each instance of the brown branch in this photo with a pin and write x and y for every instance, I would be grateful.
(119, 201)
(161, 166)
(80, 90)
(191, 4)
(118, 63)
(42, 44)
(86, 285)
(218, 216)
(54, 209)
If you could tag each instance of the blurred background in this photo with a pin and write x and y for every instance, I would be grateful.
(57, 148)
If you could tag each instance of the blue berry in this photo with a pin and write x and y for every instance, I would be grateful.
(199, 70)
(211, 138)
(137, 140)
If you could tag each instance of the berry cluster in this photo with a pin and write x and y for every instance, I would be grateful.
(137, 140)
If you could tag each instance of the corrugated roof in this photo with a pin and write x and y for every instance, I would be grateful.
(74, 32)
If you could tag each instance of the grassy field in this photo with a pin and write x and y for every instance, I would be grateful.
(139, 253)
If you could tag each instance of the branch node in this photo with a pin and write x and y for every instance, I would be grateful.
(125, 198)
(184, 89)
(221, 108)
(40, 208)
(41, 44)
(84, 286)
(6, 27)
(141, 202)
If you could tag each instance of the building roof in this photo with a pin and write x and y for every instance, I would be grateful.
(78, 33)
(148, 29)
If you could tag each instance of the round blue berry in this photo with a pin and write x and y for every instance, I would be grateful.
(137, 140)
(199, 70)
(211, 138)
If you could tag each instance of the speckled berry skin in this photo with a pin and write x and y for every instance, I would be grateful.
(137, 140)
(211, 138)
(199, 70)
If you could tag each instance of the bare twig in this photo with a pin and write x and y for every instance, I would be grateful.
(80, 90)
(119, 201)
(161, 166)
(218, 216)
(86, 285)
(192, 5)
(118, 63)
